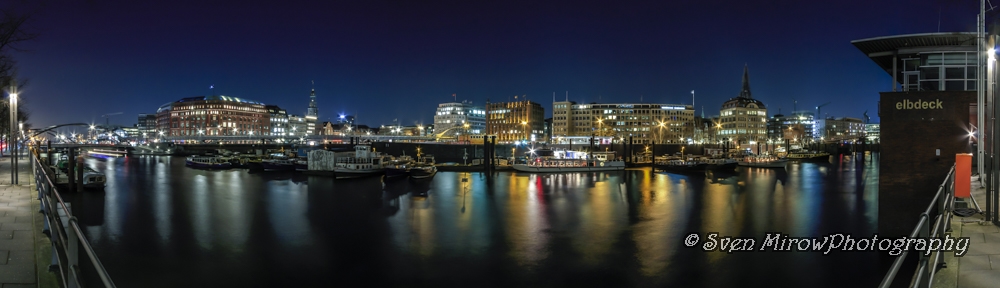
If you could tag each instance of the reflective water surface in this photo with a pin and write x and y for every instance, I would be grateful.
(160, 224)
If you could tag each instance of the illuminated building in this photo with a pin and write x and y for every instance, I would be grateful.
(455, 115)
(743, 119)
(514, 121)
(213, 116)
(645, 123)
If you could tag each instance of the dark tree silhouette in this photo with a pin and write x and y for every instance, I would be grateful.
(13, 33)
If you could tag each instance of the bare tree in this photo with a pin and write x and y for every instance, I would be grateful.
(13, 32)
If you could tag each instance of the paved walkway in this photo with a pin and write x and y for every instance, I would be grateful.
(24, 250)
(980, 267)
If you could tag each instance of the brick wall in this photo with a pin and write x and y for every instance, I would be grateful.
(909, 171)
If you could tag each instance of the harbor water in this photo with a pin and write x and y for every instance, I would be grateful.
(161, 224)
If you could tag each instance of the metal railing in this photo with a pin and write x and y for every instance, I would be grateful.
(939, 209)
(64, 231)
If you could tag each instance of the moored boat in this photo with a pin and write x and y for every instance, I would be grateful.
(92, 179)
(421, 172)
(363, 163)
(278, 165)
(763, 161)
(552, 165)
(808, 155)
(207, 162)
(720, 164)
(301, 164)
(397, 169)
(681, 166)
(597, 161)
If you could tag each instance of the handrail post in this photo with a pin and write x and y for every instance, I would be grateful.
(72, 256)
(924, 260)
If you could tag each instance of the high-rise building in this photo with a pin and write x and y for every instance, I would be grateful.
(514, 121)
(453, 116)
(743, 118)
(216, 115)
(645, 123)
(312, 113)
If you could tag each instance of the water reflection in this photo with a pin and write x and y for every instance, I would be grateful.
(234, 228)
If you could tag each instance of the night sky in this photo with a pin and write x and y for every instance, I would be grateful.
(386, 60)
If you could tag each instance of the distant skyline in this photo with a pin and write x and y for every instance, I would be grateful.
(385, 60)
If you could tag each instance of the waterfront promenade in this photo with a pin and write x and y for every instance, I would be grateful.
(981, 266)
(24, 250)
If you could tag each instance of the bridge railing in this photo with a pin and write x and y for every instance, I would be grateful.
(64, 230)
(934, 223)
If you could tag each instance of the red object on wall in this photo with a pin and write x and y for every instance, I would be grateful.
(963, 175)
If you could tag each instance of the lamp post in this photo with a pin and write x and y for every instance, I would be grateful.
(13, 134)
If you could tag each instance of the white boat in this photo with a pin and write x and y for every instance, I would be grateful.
(808, 155)
(364, 162)
(763, 161)
(92, 179)
(599, 161)
(208, 162)
(551, 165)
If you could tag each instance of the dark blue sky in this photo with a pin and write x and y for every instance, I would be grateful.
(384, 60)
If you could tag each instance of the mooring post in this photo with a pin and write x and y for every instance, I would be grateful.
(70, 169)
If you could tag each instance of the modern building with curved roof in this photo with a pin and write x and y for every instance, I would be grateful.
(216, 115)
(927, 61)
(930, 116)
(743, 119)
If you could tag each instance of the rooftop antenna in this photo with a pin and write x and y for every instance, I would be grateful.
(567, 95)
(692, 99)
(939, 19)
(454, 96)
(211, 88)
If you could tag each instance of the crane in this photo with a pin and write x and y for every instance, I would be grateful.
(818, 115)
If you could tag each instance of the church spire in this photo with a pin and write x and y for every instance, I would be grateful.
(745, 92)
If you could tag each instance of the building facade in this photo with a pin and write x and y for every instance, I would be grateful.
(872, 132)
(743, 119)
(840, 128)
(798, 127)
(645, 123)
(514, 121)
(453, 116)
(279, 120)
(920, 144)
(214, 116)
(146, 125)
(298, 126)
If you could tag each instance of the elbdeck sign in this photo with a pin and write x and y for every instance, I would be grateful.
(906, 104)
